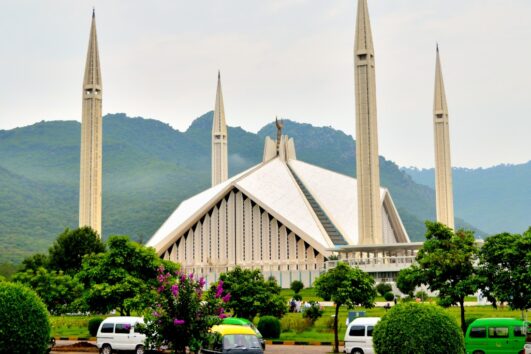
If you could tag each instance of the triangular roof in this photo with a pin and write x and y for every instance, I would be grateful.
(274, 187)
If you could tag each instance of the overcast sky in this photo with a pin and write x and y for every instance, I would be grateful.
(291, 58)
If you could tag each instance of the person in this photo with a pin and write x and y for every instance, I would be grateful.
(292, 305)
(387, 306)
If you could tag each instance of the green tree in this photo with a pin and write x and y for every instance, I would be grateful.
(35, 262)
(68, 249)
(345, 285)
(122, 277)
(408, 279)
(180, 315)
(250, 294)
(446, 263)
(58, 291)
(505, 269)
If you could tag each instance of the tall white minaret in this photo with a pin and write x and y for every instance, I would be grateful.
(91, 138)
(220, 166)
(367, 165)
(443, 167)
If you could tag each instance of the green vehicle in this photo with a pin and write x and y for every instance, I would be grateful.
(245, 322)
(496, 335)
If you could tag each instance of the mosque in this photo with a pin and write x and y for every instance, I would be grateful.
(288, 218)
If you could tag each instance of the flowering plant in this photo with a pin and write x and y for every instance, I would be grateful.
(181, 315)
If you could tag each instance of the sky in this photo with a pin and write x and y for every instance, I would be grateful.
(286, 58)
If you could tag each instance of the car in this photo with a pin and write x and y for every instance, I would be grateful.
(496, 335)
(234, 339)
(358, 336)
(245, 322)
(119, 333)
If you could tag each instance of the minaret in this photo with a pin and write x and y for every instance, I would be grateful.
(443, 167)
(367, 165)
(91, 138)
(220, 166)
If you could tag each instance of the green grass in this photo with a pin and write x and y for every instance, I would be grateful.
(77, 326)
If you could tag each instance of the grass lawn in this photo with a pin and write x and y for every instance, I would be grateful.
(76, 326)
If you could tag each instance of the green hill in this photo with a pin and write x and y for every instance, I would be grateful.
(495, 199)
(148, 169)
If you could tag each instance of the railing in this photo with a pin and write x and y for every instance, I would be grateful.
(399, 261)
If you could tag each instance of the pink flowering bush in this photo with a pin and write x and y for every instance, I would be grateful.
(181, 314)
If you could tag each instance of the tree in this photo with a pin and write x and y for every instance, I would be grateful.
(122, 277)
(181, 316)
(250, 294)
(412, 328)
(58, 291)
(35, 262)
(68, 249)
(345, 285)
(446, 264)
(296, 286)
(408, 279)
(383, 288)
(505, 269)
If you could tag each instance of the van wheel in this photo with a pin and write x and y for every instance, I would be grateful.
(139, 349)
(106, 349)
(478, 352)
(357, 351)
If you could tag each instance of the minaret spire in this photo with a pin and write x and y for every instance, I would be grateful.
(367, 164)
(443, 167)
(220, 166)
(91, 138)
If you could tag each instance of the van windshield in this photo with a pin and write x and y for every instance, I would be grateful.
(232, 341)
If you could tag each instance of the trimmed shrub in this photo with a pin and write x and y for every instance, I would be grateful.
(297, 297)
(269, 326)
(389, 296)
(411, 328)
(383, 288)
(296, 286)
(93, 325)
(24, 324)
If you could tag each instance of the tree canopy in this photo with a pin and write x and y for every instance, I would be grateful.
(68, 249)
(505, 269)
(250, 294)
(345, 285)
(121, 278)
(446, 263)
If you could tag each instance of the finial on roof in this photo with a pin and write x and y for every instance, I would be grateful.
(93, 11)
(219, 75)
(279, 126)
(437, 46)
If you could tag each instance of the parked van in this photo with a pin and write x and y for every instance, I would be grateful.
(119, 333)
(234, 339)
(245, 322)
(358, 337)
(495, 335)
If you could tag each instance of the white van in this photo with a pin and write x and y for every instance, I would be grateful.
(119, 333)
(358, 337)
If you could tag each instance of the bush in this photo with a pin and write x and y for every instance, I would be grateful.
(422, 295)
(417, 328)
(313, 312)
(325, 324)
(296, 286)
(383, 288)
(269, 326)
(93, 325)
(297, 297)
(389, 296)
(24, 325)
